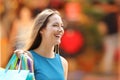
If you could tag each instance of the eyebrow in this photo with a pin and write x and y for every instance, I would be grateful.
(58, 23)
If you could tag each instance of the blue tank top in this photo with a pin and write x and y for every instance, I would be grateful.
(47, 68)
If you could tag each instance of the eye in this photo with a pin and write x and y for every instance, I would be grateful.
(55, 25)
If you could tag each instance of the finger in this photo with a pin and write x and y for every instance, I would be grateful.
(18, 52)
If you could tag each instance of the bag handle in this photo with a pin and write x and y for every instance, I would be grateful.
(27, 62)
(11, 62)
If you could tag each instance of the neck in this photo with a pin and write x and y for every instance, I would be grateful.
(46, 50)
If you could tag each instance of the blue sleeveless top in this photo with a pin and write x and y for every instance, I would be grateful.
(47, 68)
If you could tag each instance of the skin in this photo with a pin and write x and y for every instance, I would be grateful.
(51, 36)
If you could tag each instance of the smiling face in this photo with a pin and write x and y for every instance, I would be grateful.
(53, 30)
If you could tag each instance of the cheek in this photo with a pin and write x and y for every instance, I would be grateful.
(50, 32)
(45, 33)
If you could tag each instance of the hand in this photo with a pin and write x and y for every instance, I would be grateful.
(19, 52)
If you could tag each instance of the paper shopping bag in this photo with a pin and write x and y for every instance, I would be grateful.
(19, 74)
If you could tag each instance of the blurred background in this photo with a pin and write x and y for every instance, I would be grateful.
(90, 43)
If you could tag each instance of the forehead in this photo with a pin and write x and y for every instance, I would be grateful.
(55, 18)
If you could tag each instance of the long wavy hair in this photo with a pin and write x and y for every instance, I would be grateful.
(40, 22)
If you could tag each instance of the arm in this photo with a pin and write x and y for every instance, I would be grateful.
(65, 67)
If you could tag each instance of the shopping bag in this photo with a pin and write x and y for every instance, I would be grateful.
(27, 64)
(14, 75)
(18, 74)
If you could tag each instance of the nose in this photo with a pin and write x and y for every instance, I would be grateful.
(61, 30)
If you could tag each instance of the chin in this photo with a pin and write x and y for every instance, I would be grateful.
(57, 42)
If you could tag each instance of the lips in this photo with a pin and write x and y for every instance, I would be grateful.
(58, 35)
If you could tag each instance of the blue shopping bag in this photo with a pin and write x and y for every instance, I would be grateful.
(18, 74)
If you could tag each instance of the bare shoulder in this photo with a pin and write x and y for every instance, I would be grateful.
(65, 66)
(64, 61)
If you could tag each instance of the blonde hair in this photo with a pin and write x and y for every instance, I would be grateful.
(40, 22)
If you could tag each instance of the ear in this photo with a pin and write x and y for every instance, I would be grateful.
(41, 32)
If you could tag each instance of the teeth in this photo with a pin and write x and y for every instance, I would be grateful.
(58, 35)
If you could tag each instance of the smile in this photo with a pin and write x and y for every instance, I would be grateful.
(58, 36)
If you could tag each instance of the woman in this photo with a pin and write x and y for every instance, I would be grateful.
(45, 38)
